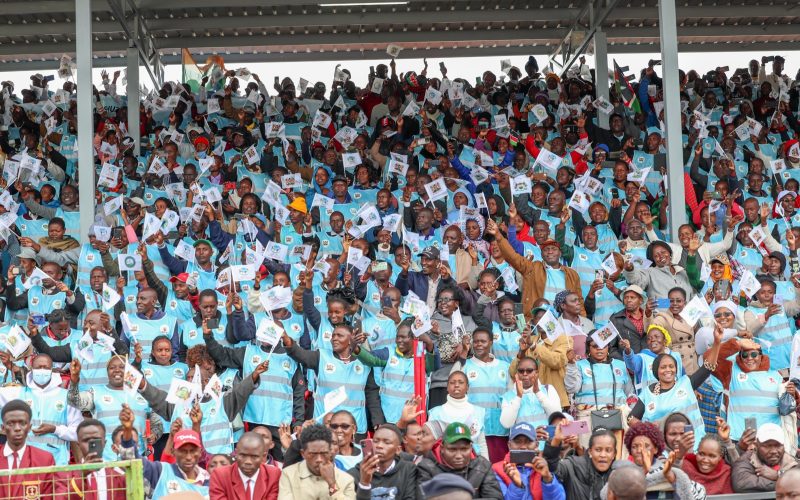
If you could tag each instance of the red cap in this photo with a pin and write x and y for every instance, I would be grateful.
(547, 243)
(182, 277)
(186, 436)
(201, 139)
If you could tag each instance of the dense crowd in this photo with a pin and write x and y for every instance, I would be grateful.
(418, 288)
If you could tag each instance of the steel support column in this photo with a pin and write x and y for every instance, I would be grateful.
(668, 29)
(601, 72)
(86, 169)
(132, 93)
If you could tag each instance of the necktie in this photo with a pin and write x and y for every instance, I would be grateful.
(248, 494)
(16, 463)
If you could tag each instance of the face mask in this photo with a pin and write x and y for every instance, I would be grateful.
(41, 376)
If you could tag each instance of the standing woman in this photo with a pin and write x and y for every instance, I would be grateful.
(680, 331)
(583, 476)
(670, 393)
(597, 382)
(459, 409)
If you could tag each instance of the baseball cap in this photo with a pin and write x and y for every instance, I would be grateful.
(442, 484)
(261, 217)
(26, 253)
(182, 277)
(203, 242)
(635, 289)
(523, 429)
(186, 436)
(457, 432)
(770, 432)
(430, 253)
(547, 243)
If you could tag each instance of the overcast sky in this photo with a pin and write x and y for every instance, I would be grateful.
(465, 67)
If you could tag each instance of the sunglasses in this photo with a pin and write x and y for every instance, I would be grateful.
(723, 315)
(525, 371)
(336, 427)
(749, 354)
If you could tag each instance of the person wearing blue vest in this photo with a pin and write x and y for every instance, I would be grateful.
(394, 367)
(505, 332)
(149, 323)
(164, 479)
(61, 352)
(658, 341)
(671, 394)
(279, 398)
(202, 268)
(223, 326)
(104, 402)
(54, 421)
(336, 368)
(585, 260)
(52, 294)
(529, 401)
(769, 323)
(488, 380)
(216, 424)
(181, 300)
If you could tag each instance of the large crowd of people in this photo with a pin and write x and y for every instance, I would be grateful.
(423, 287)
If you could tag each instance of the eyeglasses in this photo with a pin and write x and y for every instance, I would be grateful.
(723, 315)
(525, 371)
(749, 354)
(444, 300)
(336, 427)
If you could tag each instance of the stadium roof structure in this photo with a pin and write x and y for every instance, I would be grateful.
(35, 34)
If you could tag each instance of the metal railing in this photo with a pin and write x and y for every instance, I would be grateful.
(58, 481)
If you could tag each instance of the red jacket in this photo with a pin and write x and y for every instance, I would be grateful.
(31, 485)
(80, 487)
(226, 483)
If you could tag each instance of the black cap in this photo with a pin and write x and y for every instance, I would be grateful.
(444, 483)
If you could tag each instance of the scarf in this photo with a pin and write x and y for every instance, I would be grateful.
(534, 480)
(717, 482)
(68, 243)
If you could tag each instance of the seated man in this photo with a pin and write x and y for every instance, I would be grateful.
(759, 469)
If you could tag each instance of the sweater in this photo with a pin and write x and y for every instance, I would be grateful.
(401, 482)
(716, 482)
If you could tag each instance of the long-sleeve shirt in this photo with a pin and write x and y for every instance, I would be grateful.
(547, 395)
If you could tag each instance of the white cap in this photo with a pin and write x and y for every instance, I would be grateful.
(770, 432)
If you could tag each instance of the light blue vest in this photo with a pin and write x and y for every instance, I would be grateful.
(680, 399)
(206, 280)
(646, 377)
(161, 377)
(323, 338)
(88, 260)
(334, 374)
(556, 282)
(380, 332)
(396, 381)
(192, 335)
(487, 382)
(272, 401)
(775, 338)
(39, 303)
(609, 381)
(145, 331)
(606, 239)
(19, 317)
(72, 220)
(107, 404)
(505, 344)
(215, 425)
(531, 410)
(51, 411)
(753, 394)
(74, 336)
(293, 325)
(605, 305)
(181, 309)
(750, 258)
(95, 372)
(585, 263)
(169, 482)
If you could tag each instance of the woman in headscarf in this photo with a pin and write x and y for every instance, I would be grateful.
(658, 342)
(472, 227)
(460, 198)
(679, 331)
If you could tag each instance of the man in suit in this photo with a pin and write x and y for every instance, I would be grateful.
(249, 478)
(16, 416)
(101, 483)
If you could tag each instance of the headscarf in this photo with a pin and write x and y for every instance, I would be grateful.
(481, 245)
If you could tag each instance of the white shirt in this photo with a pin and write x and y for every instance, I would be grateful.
(251, 480)
(8, 452)
(102, 485)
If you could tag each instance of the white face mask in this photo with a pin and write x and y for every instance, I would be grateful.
(41, 376)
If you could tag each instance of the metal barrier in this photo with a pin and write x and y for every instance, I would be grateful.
(59, 482)
(764, 495)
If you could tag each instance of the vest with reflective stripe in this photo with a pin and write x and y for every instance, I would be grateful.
(606, 304)
(396, 380)
(750, 258)
(161, 377)
(72, 220)
(753, 394)
(95, 372)
(51, 411)
(380, 331)
(192, 335)
(531, 410)
(585, 263)
(272, 401)
(487, 383)
(169, 482)
(107, 404)
(324, 333)
(146, 330)
(19, 317)
(775, 338)
(74, 336)
(681, 399)
(556, 282)
(205, 279)
(39, 303)
(88, 260)
(180, 308)
(505, 344)
(216, 426)
(608, 384)
(333, 374)
(606, 239)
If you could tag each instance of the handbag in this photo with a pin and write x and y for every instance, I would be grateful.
(607, 418)
(786, 404)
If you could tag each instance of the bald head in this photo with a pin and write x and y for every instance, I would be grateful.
(627, 483)
(788, 484)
